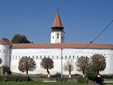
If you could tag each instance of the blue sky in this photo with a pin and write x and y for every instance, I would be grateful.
(83, 20)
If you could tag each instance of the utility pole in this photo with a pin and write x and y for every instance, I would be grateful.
(61, 64)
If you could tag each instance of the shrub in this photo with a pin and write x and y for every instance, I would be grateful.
(91, 72)
(14, 78)
(110, 76)
(61, 79)
(99, 80)
(80, 79)
(56, 75)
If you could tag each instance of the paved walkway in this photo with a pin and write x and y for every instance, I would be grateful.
(108, 81)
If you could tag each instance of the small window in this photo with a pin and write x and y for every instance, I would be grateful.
(4, 51)
(15, 57)
(33, 57)
(65, 57)
(36, 57)
(73, 57)
(40, 57)
(77, 56)
(57, 34)
(69, 57)
(52, 57)
(57, 57)
(19, 57)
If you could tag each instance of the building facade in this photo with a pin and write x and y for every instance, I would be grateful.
(57, 50)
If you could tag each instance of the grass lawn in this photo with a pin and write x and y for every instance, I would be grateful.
(42, 83)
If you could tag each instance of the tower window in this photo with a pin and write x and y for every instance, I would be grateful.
(57, 36)
(53, 37)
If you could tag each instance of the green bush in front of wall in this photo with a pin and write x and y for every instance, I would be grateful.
(14, 78)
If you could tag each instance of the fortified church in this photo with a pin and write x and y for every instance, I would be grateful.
(60, 52)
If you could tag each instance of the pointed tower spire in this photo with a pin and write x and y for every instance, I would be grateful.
(57, 21)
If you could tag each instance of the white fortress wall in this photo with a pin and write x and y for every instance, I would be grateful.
(55, 53)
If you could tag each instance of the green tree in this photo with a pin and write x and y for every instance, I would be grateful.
(91, 72)
(17, 38)
(69, 67)
(47, 63)
(26, 64)
(82, 63)
(99, 61)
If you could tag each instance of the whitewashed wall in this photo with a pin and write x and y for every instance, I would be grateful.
(55, 54)
(57, 37)
(5, 55)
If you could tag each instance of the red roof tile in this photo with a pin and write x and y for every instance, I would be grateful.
(64, 45)
(57, 21)
(5, 41)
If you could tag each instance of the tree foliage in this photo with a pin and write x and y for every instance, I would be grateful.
(47, 63)
(17, 38)
(69, 67)
(82, 63)
(99, 61)
(92, 74)
(91, 71)
(26, 64)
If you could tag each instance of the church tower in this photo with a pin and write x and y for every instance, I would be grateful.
(57, 33)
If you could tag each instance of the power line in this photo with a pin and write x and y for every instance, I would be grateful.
(101, 32)
(97, 36)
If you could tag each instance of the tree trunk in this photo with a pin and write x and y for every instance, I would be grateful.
(83, 73)
(69, 74)
(26, 67)
(26, 72)
(48, 72)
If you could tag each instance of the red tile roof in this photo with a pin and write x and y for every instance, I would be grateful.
(5, 41)
(64, 45)
(57, 21)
